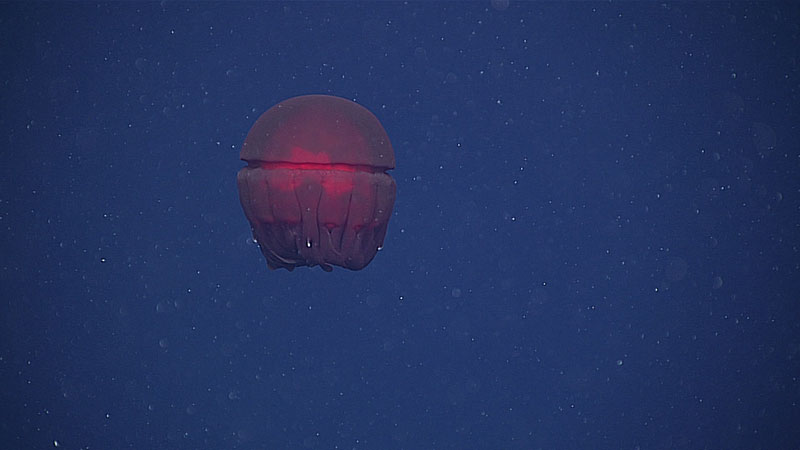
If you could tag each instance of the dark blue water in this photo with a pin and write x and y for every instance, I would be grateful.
(594, 245)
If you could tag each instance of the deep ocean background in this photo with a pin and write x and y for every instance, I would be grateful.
(594, 245)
